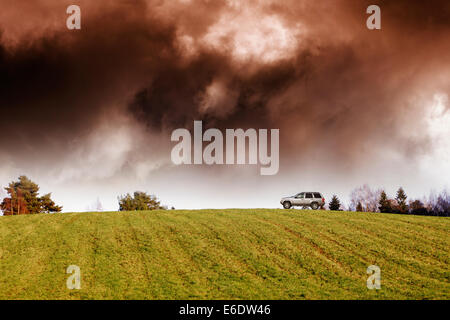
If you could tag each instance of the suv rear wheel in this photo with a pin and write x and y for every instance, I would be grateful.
(314, 205)
(286, 205)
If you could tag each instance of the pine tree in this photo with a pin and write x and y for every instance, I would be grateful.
(401, 200)
(334, 204)
(384, 203)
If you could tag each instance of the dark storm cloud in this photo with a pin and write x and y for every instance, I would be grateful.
(350, 88)
(57, 88)
(169, 63)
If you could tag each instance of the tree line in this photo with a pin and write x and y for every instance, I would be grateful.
(23, 198)
(365, 199)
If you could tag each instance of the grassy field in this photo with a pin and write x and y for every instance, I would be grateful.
(224, 254)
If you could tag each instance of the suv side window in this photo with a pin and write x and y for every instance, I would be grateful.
(300, 196)
(309, 195)
(317, 195)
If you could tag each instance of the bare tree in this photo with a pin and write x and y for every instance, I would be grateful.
(438, 204)
(442, 206)
(367, 197)
(96, 206)
(431, 201)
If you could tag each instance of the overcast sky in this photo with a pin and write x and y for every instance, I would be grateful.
(89, 113)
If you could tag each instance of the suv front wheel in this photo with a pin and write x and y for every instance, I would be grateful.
(286, 205)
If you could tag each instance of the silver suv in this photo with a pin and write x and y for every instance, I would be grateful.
(315, 200)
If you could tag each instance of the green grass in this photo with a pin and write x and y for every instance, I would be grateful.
(224, 254)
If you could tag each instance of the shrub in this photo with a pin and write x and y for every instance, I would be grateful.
(139, 201)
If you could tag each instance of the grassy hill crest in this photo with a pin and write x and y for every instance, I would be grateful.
(224, 254)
